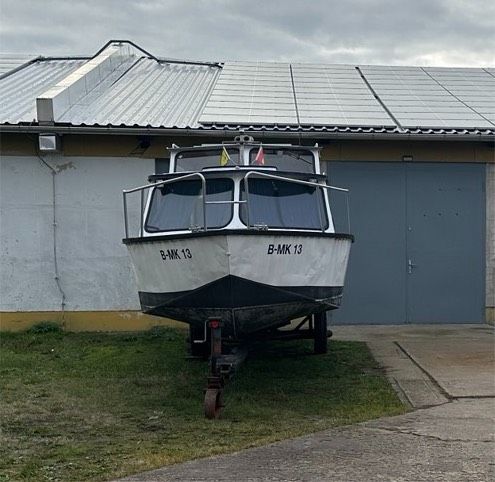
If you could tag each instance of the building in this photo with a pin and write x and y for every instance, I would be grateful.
(414, 145)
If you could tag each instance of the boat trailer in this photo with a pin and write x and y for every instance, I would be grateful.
(222, 366)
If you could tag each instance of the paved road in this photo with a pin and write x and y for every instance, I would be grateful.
(446, 373)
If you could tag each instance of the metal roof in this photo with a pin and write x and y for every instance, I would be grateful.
(9, 62)
(124, 86)
(146, 93)
(19, 90)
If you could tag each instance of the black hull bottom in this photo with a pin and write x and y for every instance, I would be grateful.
(244, 306)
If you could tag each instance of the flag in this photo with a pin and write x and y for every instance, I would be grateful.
(259, 160)
(224, 157)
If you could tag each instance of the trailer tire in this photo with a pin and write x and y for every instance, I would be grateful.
(320, 333)
(213, 403)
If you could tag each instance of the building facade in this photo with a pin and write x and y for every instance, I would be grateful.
(415, 146)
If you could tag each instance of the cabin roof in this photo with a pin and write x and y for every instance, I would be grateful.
(124, 86)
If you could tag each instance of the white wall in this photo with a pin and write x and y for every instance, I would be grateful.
(94, 268)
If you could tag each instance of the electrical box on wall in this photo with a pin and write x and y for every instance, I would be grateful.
(49, 143)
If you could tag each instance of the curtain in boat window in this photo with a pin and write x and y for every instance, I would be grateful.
(282, 204)
(179, 206)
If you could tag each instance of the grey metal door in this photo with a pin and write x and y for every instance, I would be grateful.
(445, 243)
(419, 250)
(375, 290)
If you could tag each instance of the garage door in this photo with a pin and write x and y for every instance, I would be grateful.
(419, 254)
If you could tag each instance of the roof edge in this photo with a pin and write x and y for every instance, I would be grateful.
(486, 135)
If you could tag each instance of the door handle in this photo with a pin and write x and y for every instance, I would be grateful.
(410, 266)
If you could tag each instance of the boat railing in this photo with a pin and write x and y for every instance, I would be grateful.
(297, 181)
(246, 177)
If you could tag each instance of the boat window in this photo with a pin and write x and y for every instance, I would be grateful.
(200, 158)
(283, 204)
(179, 205)
(285, 159)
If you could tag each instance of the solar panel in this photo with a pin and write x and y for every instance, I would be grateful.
(319, 94)
(335, 95)
(252, 93)
(473, 87)
(416, 97)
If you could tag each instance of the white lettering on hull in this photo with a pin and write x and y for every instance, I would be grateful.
(275, 259)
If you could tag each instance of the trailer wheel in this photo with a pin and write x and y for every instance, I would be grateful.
(320, 333)
(213, 402)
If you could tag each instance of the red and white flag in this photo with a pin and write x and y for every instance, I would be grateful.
(259, 160)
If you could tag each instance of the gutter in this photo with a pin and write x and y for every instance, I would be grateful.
(205, 132)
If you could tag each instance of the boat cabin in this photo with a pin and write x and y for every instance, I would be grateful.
(243, 185)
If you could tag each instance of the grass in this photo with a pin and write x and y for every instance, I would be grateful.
(98, 406)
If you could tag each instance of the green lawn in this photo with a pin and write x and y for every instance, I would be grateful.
(97, 406)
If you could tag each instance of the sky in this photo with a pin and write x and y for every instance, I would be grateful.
(393, 32)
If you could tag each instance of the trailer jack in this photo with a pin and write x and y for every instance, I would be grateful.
(222, 368)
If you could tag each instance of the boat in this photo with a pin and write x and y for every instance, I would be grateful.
(238, 240)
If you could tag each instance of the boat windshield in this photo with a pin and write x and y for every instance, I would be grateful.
(195, 160)
(285, 159)
(179, 205)
(283, 204)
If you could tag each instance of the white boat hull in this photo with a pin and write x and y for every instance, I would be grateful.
(250, 280)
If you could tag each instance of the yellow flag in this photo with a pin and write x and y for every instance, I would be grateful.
(224, 157)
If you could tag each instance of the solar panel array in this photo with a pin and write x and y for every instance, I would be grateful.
(316, 94)
(337, 95)
(416, 98)
(473, 87)
(252, 93)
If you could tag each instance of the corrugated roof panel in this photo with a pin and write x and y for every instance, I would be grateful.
(409, 94)
(359, 131)
(257, 92)
(147, 94)
(18, 91)
(10, 62)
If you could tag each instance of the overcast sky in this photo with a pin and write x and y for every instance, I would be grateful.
(396, 32)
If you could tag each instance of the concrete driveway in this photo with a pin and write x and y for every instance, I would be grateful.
(446, 373)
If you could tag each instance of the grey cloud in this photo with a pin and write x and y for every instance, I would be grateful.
(445, 32)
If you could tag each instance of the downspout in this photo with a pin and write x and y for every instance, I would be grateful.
(54, 173)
